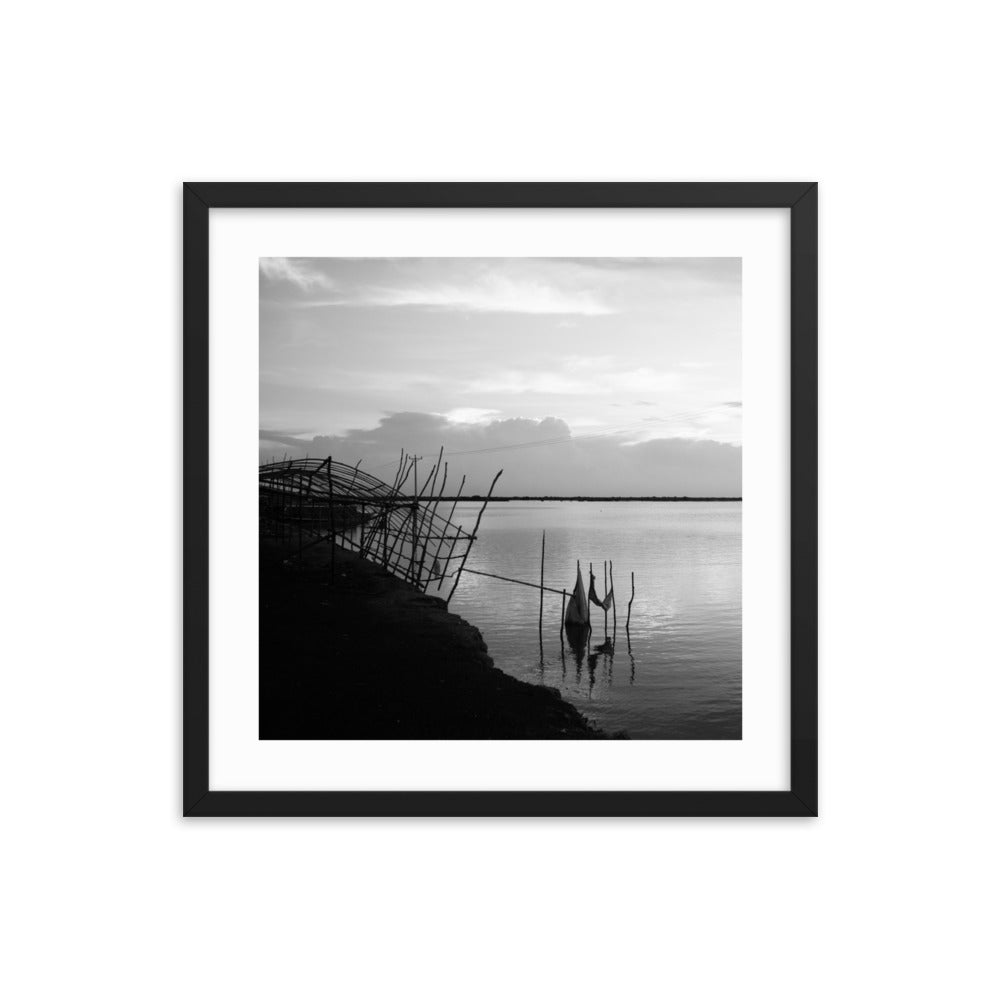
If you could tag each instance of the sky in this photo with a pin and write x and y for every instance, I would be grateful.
(586, 376)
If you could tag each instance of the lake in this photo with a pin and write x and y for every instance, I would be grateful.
(676, 672)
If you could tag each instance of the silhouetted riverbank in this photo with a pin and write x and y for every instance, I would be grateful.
(372, 658)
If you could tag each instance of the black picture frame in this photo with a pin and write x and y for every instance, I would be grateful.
(801, 797)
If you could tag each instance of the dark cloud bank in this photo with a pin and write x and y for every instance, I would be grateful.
(582, 466)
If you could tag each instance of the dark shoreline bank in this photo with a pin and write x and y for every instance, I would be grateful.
(372, 658)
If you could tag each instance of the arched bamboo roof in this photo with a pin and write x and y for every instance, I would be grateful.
(411, 534)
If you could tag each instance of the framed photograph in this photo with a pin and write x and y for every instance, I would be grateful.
(500, 499)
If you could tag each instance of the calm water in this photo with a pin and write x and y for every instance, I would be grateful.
(677, 673)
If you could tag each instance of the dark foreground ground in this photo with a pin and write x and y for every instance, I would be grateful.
(371, 658)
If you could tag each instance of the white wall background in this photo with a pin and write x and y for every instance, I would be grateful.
(109, 106)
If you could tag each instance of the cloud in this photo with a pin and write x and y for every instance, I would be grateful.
(494, 293)
(469, 415)
(294, 270)
(580, 380)
(290, 439)
(539, 457)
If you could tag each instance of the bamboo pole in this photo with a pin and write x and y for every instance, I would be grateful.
(605, 599)
(333, 538)
(590, 575)
(383, 528)
(414, 508)
(510, 579)
(395, 557)
(562, 619)
(387, 514)
(461, 486)
(628, 617)
(397, 539)
(541, 588)
(424, 512)
(475, 531)
(429, 536)
(354, 478)
(300, 520)
(413, 516)
(399, 469)
(389, 546)
(614, 603)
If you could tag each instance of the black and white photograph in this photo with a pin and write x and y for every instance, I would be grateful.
(500, 498)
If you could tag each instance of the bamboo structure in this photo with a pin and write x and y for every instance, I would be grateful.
(320, 501)
(311, 502)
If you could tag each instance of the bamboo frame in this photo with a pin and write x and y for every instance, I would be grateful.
(319, 500)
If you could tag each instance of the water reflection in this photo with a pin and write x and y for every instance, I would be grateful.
(686, 617)
(580, 640)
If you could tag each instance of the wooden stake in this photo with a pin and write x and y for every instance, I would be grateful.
(300, 520)
(413, 514)
(451, 517)
(333, 534)
(437, 500)
(605, 598)
(389, 548)
(541, 589)
(472, 538)
(424, 512)
(614, 603)
(630, 600)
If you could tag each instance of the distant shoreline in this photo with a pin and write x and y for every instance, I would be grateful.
(479, 497)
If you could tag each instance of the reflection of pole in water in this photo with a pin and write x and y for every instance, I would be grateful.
(591, 660)
(577, 636)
